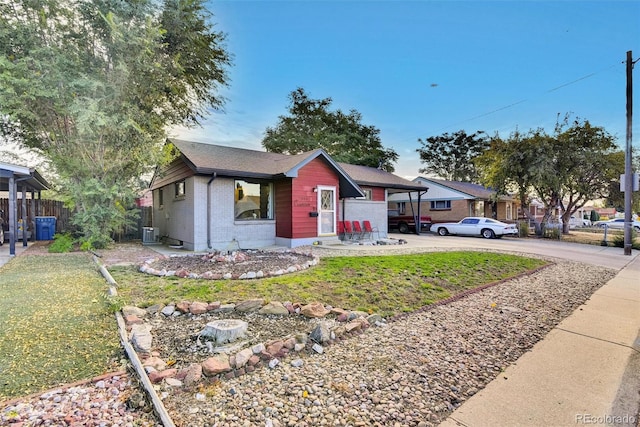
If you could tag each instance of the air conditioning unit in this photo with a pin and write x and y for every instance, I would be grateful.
(150, 235)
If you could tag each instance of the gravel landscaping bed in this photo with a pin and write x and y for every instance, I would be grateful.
(415, 371)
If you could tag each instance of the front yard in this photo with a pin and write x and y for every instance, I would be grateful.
(58, 328)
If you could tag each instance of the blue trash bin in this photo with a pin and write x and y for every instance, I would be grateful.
(45, 227)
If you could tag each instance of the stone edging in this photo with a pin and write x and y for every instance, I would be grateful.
(232, 363)
(146, 384)
(228, 257)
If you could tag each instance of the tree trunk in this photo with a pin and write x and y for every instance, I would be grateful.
(224, 331)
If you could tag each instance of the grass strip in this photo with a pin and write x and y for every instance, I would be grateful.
(56, 327)
(388, 285)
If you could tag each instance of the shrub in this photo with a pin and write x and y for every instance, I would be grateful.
(61, 243)
(523, 229)
(552, 233)
(618, 240)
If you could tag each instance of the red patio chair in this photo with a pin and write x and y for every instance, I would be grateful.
(348, 230)
(341, 230)
(357, 230)
(368, 229)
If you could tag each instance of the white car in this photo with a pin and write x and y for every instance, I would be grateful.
(617, 223)
(476, 226)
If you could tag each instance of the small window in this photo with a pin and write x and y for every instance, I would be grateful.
(160, 198)
(180, 189)
(440, 205)
(402, 208)
(368, 194)
(253, 200)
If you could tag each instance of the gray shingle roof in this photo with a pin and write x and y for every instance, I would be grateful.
(476, 190)
(239, 162)
(365, 175)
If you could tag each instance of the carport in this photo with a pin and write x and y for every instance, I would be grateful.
(14, 178)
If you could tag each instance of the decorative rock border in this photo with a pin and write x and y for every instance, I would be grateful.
(229, 257)
(235, 362)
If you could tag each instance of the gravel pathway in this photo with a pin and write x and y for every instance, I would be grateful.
(414, 371)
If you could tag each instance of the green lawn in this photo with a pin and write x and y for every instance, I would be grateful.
(384, 284)
(56, 327)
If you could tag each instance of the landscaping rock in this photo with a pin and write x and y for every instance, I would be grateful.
(216, 365)
(141, 338)
(249, 305)
(274, 308)
(198, 307)
(129, 310)
(321, 333)
(314, 310)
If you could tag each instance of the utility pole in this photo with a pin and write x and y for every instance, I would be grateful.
(628, 172)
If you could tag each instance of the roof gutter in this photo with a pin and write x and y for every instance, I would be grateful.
(213, 176)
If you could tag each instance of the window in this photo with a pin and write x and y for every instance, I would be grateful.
(253, 200)
(179, 189)
(368, 194)
(160, 198)
(440, 205)
(471, 221)
(402, 208)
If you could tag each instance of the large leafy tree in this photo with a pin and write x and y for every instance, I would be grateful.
(514, 164)
(311, 125)
(94, 84)
(563, 170)
(450, 156)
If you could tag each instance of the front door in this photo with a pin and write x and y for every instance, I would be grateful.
(326, 210)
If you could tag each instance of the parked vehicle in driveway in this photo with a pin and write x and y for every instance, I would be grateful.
(617, 223)
(406, 223)
(476, 226)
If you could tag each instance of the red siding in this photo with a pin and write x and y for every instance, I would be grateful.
(377, 194)
(284, 225)
(305, 200)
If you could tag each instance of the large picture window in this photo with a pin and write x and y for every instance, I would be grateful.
(253, 200)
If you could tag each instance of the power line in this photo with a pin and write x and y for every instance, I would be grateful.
(525, 100)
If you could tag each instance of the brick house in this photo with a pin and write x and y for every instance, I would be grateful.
(449, 201)
(216, 197)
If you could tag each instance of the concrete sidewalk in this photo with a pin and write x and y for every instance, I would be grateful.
(585, 371)
(4, 252)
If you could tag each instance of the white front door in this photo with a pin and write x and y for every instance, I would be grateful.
(326, 210)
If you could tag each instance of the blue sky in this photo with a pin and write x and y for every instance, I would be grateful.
(415, 69)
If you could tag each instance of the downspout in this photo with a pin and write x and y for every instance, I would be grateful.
(213, 176)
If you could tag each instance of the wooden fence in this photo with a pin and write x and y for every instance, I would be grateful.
(56, 208)
(42, 208)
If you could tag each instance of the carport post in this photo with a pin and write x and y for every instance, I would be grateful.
(12, 215)
(24, 215)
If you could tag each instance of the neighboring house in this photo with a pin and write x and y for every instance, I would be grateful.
(215, 197)
(453, 200)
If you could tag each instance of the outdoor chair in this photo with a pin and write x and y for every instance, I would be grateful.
(368, 229)
(357, 230)
(341, 230)
(348, 230)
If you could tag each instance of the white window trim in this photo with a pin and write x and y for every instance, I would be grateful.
(333, 217)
